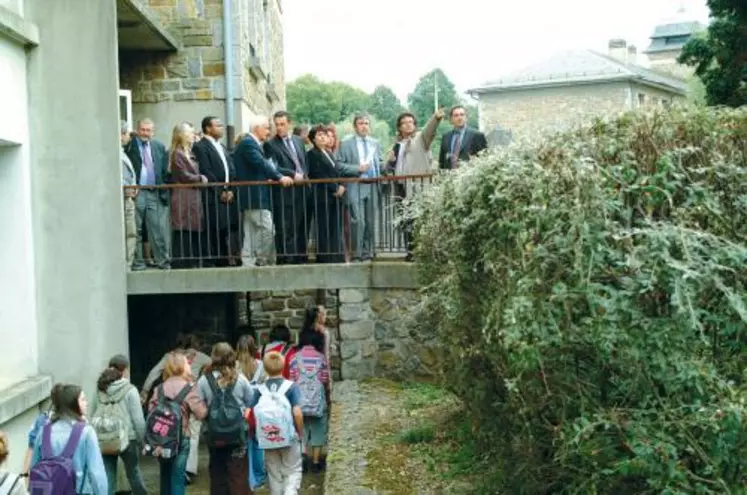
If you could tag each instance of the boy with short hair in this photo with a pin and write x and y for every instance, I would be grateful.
(283, 464)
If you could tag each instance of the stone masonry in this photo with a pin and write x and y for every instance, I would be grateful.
(191, 82)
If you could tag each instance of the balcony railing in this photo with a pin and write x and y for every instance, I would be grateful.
(190, 225)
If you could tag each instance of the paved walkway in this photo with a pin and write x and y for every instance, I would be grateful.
(313, 484)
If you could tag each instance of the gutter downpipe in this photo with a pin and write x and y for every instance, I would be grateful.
(228, 62)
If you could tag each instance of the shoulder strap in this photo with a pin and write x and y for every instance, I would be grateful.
(264, 349)
(183, 394)
(47, 441)
(262, 389)
(72, 442)
(285, 350)
(285, 387)
(212, 382)
(15, 482)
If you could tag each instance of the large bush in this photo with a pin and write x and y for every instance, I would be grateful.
(589, 294)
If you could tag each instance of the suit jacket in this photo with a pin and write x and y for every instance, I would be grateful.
(160, 163)
(211, 166)
(473, 142)
(276, 149)
(350, 161)
(320, 167)
(252, 165)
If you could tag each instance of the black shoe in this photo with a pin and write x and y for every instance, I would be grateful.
(189, 478)
(316, 468)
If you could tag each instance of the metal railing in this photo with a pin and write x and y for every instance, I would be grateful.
(190, 225)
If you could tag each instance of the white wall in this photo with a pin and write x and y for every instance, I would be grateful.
(18, 326)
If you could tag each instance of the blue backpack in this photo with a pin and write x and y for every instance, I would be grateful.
(56, 474)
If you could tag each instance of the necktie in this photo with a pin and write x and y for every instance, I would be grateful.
(372, 170)
(293, 154)
(150, 175)
(455, 150)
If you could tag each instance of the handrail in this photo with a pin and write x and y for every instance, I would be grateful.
(341, 180)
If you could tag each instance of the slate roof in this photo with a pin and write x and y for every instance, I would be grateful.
(574, 67)
(672, 36)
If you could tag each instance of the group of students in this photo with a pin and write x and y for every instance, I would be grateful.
(261, 409)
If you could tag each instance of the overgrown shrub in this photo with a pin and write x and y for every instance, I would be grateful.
(589, 294)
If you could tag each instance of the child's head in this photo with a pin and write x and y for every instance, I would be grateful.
(274, 362)
(4, 447)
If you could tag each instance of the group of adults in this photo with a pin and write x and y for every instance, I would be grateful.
(209, 221)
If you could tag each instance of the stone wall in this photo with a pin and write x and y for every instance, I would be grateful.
(268, 309)
(530, 111)
(379, 337)
(190, 83)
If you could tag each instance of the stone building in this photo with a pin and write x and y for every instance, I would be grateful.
(571, 87)
(667, 41)
(181, 73)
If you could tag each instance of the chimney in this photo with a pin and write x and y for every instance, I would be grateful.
(618, 49)
(632, 55)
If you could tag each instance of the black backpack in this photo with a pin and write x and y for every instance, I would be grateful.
(163, 428)
(226, 425)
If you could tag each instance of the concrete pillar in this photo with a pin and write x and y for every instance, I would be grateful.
(76, 182)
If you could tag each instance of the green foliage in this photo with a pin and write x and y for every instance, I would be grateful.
(422, 433)
(422, 99)
(386, 106)
(720, 58)
(313, 101)
(589, 293)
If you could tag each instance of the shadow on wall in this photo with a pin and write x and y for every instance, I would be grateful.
(156, 320)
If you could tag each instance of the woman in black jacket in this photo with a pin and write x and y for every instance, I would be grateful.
(326, 201)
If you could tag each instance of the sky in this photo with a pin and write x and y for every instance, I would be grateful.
(394, 42)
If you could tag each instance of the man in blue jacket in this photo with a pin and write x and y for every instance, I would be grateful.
(254, 200)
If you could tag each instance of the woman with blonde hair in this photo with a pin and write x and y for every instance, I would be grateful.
(227, 430)
(186, 203)
(177, 384)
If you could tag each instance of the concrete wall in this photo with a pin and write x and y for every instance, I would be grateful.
(76, 176)
(18, 329)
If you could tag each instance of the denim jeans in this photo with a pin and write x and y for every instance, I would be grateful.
(174, 472)
(131, 460)
(256, 458)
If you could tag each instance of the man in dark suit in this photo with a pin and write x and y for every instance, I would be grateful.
(151, 161)
(461, 143)
(252, 165)
(218, 201)
(292, 218)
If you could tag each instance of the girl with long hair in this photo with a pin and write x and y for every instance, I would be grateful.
(187, 215)
(68, 425)
(177, 378)
(114, 387)
(10, 483)
(229, 467)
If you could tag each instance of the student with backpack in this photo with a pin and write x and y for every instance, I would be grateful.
(119, 424)
(309, 369)
(10, 483)
(66, 453)
(189, 345)
(42, 419)
(227, 395)
(252, 369)
(281, 342)
(279, 427)
(167, 433)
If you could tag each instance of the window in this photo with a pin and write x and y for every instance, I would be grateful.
(125, 106)
(641, 100)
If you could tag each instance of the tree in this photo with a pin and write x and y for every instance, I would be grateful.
(422, 99)
(385, 105)
(312, 100)
(720, 58)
